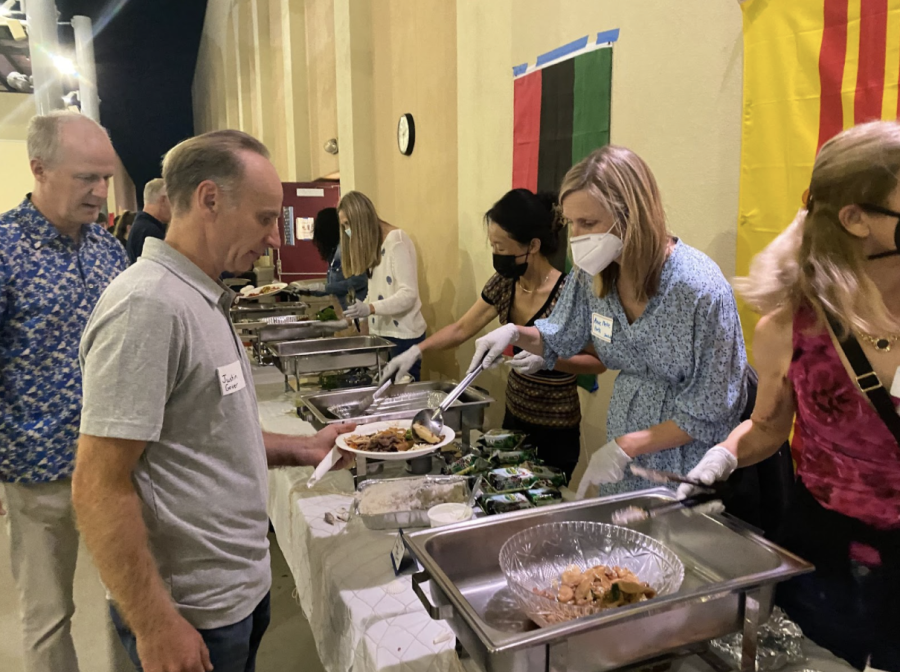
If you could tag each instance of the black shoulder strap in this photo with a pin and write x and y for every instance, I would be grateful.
(869, 382)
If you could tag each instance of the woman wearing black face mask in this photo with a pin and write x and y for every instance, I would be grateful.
(523, 230)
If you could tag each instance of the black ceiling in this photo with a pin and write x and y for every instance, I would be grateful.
(146, 52)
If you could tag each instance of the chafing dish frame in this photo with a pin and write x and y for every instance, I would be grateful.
(703, 609)
(317, 355)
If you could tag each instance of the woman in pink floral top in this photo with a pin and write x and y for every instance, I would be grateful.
(838, 258)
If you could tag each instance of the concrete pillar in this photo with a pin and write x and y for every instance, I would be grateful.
(43, 45)
(87, 67)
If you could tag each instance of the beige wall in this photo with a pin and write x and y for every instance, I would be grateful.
(15, 176)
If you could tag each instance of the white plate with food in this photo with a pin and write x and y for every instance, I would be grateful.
(392, 441)
(251, 292)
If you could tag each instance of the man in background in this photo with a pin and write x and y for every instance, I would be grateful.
(55, 261)
(170, 485)
(152, 221)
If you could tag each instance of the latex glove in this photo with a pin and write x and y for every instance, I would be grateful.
(717, 465)
(489, 349)
(526, 362)
(400, 365)
(358, 311)
(606, 466)
(314, 287)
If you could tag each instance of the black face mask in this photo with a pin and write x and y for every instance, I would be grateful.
(505, 265)
(890, 213)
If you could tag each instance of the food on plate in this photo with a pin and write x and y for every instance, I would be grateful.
(509, 479)
(327, 314)
(425, 433)
(515, 501)
(600, 586)
(409, 494)
(259, 291)
(391, 440)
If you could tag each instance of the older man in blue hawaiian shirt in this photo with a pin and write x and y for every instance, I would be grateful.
(54, 264)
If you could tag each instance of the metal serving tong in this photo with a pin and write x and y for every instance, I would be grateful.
(707, 500)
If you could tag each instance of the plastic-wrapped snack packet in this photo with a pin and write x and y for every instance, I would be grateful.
(548, 476)
(503, 439)
(506, 458)
(544, 496)
(515, 501)
(468, 464)
(510, 479)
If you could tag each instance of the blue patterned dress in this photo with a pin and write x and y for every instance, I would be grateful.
(682, 360)
(49, 284)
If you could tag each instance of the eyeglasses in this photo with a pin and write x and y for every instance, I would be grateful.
(877, 209)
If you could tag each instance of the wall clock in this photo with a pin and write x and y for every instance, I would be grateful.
(406, 134)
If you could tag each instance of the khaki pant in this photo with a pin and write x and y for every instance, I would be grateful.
(44, 549)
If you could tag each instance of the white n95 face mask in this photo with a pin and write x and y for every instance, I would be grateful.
(595, 251)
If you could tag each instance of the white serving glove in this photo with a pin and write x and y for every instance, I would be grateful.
(358, 311)
(489, 349)
(717, 465)
(315, 287)
(527, 363)
(400, 365)
(606, 466)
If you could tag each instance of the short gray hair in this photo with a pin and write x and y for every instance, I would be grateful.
(44, 130)
(154, 190)
(211, 156)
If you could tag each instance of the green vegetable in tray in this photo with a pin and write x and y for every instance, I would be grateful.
(327, 314)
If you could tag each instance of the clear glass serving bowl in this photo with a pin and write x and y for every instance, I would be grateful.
(534, 559)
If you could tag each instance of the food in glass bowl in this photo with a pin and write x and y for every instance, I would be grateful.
(600, 586)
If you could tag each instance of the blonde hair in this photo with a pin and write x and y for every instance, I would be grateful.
(212, 156)
(360, 252)
(623, 184)
(816, 260)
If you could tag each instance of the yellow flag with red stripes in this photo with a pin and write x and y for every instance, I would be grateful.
(811, 69)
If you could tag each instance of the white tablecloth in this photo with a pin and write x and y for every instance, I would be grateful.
(362, 616)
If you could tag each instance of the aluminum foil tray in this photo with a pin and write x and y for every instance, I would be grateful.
(408, 518)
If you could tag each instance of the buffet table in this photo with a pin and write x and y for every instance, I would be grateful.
(363, 617)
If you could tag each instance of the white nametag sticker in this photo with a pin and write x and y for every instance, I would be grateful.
(895, 386)
(601, 327)
(231, 378)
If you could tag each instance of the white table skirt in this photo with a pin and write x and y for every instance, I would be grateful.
(362, 616)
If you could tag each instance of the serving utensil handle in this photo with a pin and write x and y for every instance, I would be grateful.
(457, 391)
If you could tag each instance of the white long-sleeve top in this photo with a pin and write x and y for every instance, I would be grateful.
(394, 290)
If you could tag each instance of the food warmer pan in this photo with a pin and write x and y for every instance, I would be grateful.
(729, 583)
(466, 413)
(299, 358)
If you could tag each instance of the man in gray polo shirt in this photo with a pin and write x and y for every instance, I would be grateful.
(170, 480)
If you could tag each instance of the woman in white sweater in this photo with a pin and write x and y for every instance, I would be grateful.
(387, 255)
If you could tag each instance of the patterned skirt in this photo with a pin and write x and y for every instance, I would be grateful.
(551, 401)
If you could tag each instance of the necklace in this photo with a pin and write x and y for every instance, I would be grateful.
(881, 343)
(532, 291)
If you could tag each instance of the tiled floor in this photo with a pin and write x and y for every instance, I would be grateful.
(287, 646)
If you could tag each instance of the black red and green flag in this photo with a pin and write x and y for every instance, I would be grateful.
(561, 110)
(561, 114)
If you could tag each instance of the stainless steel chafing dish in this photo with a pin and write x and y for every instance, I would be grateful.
(466, 413)
(730, 578)
(300, 358)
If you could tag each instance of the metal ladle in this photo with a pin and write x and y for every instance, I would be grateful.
(433, 420)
